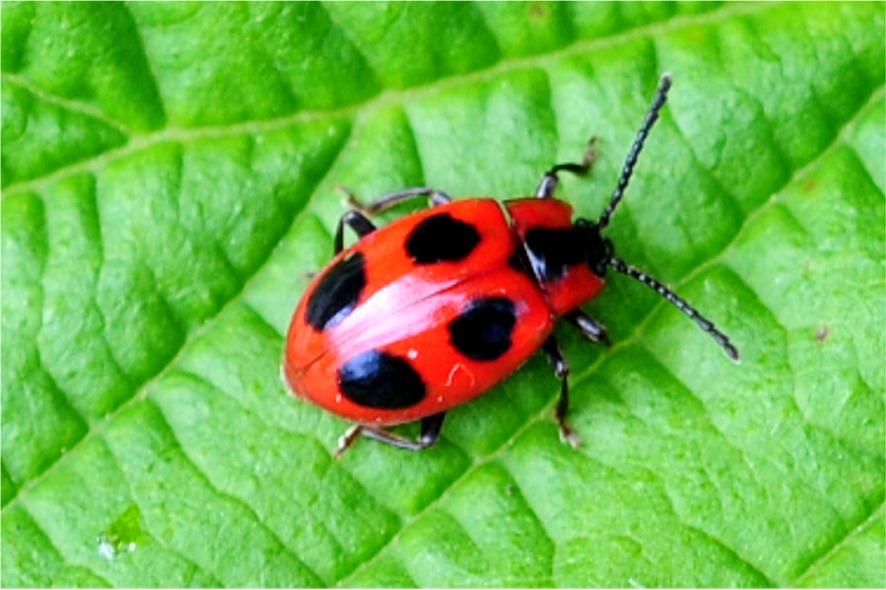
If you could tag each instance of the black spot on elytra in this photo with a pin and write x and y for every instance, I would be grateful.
(441, 238)
(337, 293)
(376, 379)
(482, 331)
(553, 251)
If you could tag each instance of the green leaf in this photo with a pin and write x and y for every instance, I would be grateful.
(169, 176)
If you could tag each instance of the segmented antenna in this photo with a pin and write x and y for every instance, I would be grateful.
(705, 324)
(661, 95)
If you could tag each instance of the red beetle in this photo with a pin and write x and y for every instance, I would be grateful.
(436, 308)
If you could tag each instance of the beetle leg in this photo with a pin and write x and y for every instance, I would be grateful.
(347, 439)
(591, 328)
(430, 429)
(430, 433)
(561, 371)
(548, 184)
(356, 221)
(389, 200)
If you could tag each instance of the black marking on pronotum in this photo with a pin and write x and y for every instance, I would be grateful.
(376, 379)
(441, 238)
(482, 331)
(520, 262)
(335, 297)
(553, 251)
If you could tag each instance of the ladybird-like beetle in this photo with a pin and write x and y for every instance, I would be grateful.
(437, 307)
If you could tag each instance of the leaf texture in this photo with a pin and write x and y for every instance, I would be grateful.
(169, 176)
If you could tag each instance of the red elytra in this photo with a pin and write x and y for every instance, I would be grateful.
(439, 306)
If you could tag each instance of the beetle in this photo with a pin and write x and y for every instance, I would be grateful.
(439, 306)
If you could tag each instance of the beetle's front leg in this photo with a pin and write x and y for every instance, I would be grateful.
(548, 184)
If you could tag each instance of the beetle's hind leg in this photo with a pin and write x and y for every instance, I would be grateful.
(358, 217)
(356, 221)
(430, 433)
(548, 184)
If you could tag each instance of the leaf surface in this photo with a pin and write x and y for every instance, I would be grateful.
(169, 176)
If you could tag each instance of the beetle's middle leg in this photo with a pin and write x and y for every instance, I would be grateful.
(561, 370)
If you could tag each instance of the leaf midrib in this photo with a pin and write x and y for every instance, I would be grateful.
(138, 143)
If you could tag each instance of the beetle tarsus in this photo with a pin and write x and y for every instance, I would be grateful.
(383, 203)
(547, 186)
(568, 435)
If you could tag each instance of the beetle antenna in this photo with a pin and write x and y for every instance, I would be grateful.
(705, 324)
(661, 95)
